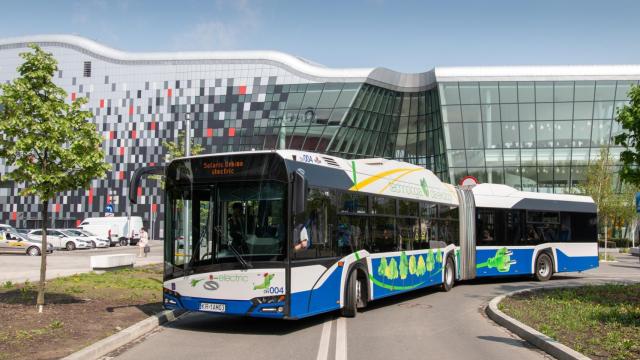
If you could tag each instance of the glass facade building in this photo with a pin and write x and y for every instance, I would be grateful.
(533, 128)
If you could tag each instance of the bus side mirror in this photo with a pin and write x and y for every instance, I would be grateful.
(299, 192)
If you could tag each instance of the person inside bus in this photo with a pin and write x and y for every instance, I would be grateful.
(236, 227)
(532, 235)
(301, 238)
(550, 234)
(486, 236)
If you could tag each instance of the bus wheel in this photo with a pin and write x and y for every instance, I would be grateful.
(544, 267)
(350, 296)
(449, 274)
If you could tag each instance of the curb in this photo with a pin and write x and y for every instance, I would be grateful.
(538, 339)
(121, 338)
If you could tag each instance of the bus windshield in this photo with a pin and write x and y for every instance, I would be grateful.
(226, 223)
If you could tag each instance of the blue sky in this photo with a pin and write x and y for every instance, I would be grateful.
(408, 36)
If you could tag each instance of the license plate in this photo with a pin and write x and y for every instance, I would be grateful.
(212, 307)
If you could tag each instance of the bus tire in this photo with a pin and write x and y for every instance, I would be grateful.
(544, 267)
(350, 296)
(449, 274)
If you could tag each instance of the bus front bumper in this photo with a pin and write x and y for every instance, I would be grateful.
(271, 307)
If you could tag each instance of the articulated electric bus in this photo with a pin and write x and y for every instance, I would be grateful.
(289, 234)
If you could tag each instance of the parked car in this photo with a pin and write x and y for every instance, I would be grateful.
(23, 231)
(13, 242)
(60, 240)
(96, 241)
(4, 227)
(120, 230)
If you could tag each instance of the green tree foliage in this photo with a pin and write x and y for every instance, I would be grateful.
(599, 185)
(47, 143)
(176, 149)
(629, 118)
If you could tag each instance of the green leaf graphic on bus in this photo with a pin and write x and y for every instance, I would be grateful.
(421, 268)
(266, 282)
(430, 261)
(413, 265)
(501, 261)
(404, 265)
(424, 186)
(382, 269)
(195, 282)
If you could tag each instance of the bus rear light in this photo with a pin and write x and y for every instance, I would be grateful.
(340, 263)
(281, 298)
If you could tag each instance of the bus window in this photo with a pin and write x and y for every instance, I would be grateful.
(384, 234)
(565, 227)
(407, 233)
(312, 231)
(485, 227)
(383, 206)
(352, 234)
(513, 231)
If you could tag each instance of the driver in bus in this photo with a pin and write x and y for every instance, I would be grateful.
(236, 227)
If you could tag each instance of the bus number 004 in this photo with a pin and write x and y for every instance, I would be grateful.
(274, 290)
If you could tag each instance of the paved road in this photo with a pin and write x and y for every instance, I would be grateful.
(424, 324)
(18, 267)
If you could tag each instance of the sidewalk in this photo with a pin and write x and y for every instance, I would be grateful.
(19, 268)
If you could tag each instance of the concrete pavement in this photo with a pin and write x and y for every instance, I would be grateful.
(423, 324)
(18, 267)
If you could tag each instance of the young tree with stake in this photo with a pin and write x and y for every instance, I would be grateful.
(46, 142)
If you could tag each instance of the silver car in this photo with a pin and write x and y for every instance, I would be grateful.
(12, 242)
(95, 240)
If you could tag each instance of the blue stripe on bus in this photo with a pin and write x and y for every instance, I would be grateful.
(575, 263)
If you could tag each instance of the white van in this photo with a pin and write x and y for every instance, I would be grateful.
(118, 229)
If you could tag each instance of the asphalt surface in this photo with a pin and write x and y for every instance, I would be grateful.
(19, 267)
(423, 324)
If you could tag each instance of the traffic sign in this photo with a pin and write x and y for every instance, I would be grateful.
(108, 209)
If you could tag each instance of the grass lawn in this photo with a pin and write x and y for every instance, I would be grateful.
(80, 310)
(602, 321)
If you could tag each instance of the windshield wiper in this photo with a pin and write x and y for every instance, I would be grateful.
(239, 257)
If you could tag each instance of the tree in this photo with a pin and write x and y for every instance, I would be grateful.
(47, 143)
(599, 185)
(175, 149)
(629, 118)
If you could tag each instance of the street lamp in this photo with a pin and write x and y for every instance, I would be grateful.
(187, 140)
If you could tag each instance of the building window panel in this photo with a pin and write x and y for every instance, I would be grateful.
(469, 93)
(544, 91)
(489, 93)
(491, 112)
(601, 133)
(457, 158)
(475, 157)
(583, 110)
(527, 134)
(473, 136)
(495, 175)
(471, 113)
(544, 111)
(328, 99)
(622, 89)
(511, 157)
(492, 135)
(493, 157)
(449, 93)
(512, 177)
(544, 134)
(451, 114)
(527, 112)
(563, 91)
(508, 92)
(509, 112)
(579, 156)
(562, 133)
(603, 109)
(584, 90)
(605, 90)
(563, 111)
(526, 92)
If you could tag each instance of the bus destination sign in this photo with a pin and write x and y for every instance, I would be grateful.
(223, 167)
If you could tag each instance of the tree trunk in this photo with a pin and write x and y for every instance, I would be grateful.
(43, 256)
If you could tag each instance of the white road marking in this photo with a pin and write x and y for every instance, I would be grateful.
(325, 339)
(341, 339)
